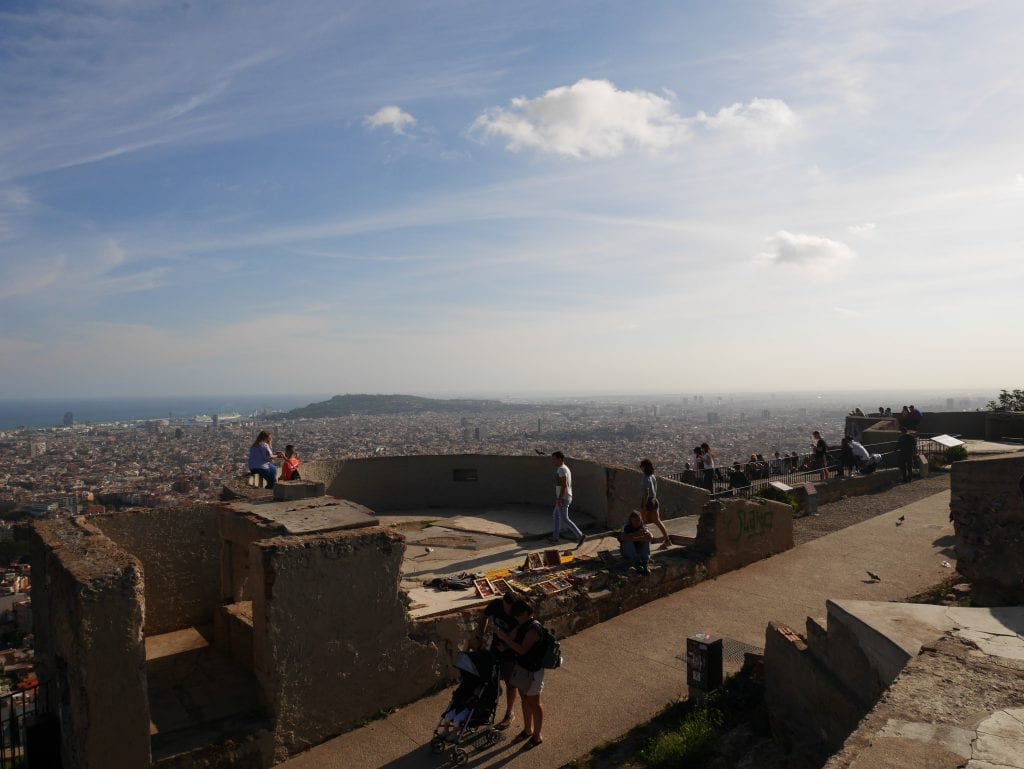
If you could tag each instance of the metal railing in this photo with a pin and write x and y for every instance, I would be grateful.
(793, 471)
(23, 713)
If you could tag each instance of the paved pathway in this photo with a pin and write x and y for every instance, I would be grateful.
(624, 671)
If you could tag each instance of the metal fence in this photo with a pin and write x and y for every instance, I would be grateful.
(792, 470)
(29, 736)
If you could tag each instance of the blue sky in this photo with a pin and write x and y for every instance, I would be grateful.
(468, 197)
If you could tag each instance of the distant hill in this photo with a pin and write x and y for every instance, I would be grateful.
(346, 405)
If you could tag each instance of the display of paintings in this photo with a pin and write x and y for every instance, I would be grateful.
(484, 588)
(519, 587)
(547, 587)
(552, 558)
(561, 584)
(533, 561)
(500, 586)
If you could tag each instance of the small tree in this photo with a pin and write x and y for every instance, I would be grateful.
(1009, 400)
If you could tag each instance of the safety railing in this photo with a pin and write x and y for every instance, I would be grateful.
(27, 726)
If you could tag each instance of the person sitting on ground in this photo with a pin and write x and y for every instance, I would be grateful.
(290, 466)
(261, 458)
(635, 543)
(650, 506)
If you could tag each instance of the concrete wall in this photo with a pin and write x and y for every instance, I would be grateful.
(988, 517)
(622, 490)
(87, 597)
(179, 550)
(420, 482)
(969, 424)
(1003, 424)
(331, 638)
(734, 532)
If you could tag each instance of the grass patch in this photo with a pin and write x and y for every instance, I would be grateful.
(687, 745)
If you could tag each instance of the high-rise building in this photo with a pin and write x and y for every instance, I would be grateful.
(950, 404)
(69, 419)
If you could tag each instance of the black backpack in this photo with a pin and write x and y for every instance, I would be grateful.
(551, 657)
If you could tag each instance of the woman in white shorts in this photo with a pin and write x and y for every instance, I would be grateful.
(528, 673)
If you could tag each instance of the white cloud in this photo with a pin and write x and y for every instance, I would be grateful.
(847, 312)
(761, 123)
(805, 251)
(589, 119)
(391, 117)
(865, 229)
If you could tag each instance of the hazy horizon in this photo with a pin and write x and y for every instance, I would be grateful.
(495, 198)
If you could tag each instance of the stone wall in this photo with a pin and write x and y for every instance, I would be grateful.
(852, 486)
(988, 517)
(331, 638)
(87, 599)
(1003, 424)
(179, 550)
(734, 532)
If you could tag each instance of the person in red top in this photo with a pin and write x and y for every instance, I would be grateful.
(290, 466)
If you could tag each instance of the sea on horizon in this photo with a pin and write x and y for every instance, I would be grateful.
(49, 412)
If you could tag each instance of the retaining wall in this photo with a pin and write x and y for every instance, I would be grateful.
(988, 517)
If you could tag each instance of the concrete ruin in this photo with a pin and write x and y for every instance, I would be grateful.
(916, 685)
(236, 634)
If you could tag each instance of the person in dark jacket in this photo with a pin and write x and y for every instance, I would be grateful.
(528, 674)
(906, 446)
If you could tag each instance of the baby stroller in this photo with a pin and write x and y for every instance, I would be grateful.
(468, 721)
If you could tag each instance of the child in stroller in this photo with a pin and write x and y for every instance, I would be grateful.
(469, 718)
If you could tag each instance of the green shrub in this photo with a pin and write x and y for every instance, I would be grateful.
(956, 453)
(777, 495)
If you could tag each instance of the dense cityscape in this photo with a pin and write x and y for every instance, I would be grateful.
(92, 468)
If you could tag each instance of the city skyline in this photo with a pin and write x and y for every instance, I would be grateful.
(483, 199)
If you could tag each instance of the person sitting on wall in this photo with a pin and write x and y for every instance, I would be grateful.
(261, 458)
(737, 478)
(635, 543)
(290, 466)
(915, 417)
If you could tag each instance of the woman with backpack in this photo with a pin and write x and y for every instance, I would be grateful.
(528, 673)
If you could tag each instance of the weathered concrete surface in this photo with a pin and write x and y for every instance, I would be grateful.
(988, 516)
(287, 491)
(952, 707)
(306, 516)
(87, 602)
(331, 641)
(581, 714)
(182, 581)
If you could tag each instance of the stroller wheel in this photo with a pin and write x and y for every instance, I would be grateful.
(460, 756)
(495, 737)
(437, 745)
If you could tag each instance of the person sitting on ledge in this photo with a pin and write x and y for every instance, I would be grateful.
(290, 466)
(261, 458)
(635, 543)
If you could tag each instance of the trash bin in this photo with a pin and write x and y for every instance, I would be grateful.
(703, 664)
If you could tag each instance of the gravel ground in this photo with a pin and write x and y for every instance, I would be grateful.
(846, 512)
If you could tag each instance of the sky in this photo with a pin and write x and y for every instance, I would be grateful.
(503, 198)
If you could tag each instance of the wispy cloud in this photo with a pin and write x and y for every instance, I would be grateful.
(864, 229)
(761, 123)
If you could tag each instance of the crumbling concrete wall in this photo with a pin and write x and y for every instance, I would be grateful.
(87, 597)
(988, 517)
(811, 711)
(179, 550)
(734, 532)
(331, 637)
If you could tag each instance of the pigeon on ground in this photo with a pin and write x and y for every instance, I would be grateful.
(900, 520)
(874, 576)
(428, 549)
